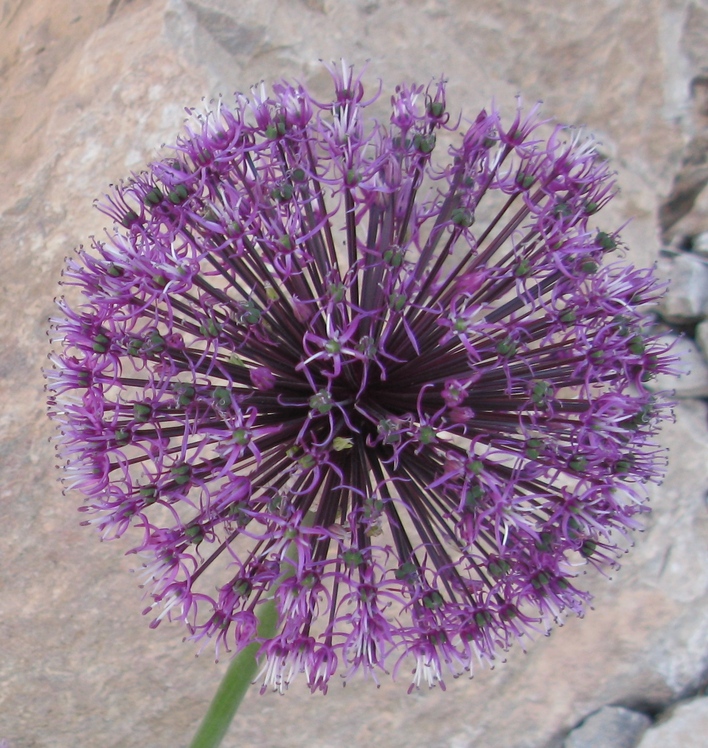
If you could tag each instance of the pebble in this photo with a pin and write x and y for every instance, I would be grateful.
(686, 300)
(683, 726)
(609, 727)
(700, 244)
(693, 381)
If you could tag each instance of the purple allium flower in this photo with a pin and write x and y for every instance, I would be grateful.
(408, 399)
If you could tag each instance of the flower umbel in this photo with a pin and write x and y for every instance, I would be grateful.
(408, 399)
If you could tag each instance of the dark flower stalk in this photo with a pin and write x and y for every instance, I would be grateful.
(410, 398)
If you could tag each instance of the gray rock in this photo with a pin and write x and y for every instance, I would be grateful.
(89, 92)
(693, 381)
(687, 295)
(702, 338)
(683, 726)
(236, 38)
(610, 727)
(700, 244)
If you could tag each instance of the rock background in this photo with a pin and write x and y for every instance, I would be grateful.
(89, 89)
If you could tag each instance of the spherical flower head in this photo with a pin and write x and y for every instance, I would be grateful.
(406, 397)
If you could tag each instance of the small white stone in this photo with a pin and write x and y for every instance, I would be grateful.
(702, 338)
(693, 381)
(609, 727)
(700, 244)
(687, 297)
(685, 725)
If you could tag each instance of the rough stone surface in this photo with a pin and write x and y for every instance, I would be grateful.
(687, 296)
(702, 338)
(684, 210)
(685, 725)
(88, 91)
(700, 244)
(693, 380)
(610, 727)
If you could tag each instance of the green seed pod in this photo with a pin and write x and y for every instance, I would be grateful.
(509, 613)
(156, 342)
(306, 461)
(309, 581)
(181, 474)
(210, 329)
(406, 571)
(352, 558)
(241, 437)
(222, 397)
(473, 496)
(499, 567)
(436, 109)
(194, 534)
(578, 463)
(588, 548)
(397, 301)
(154, 197)
(178, 195)
(251, 314)
(186, 394)
(540, 580)
(533, 448)
(506, 347)
(462, 217)
(129, 218)
(605, 241)
(134, 346)
(433, 600)
(141, 412)
(387, 429)
(623, 466)
(283, 193)
(427, 435)
(562, 210)
(636, 345)
(424, 143)
(336, 292)
(394, 257)
(476, 467)
(322, 402)
(589, 266)
(242, 587)
(568, 317)
(333, 347)
(149, 494)
(101, 343)
(542, 390)
(122, 437)
(543, 543)
(523, 268)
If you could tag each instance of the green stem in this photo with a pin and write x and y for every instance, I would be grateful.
(244, 666)
(233, 687)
